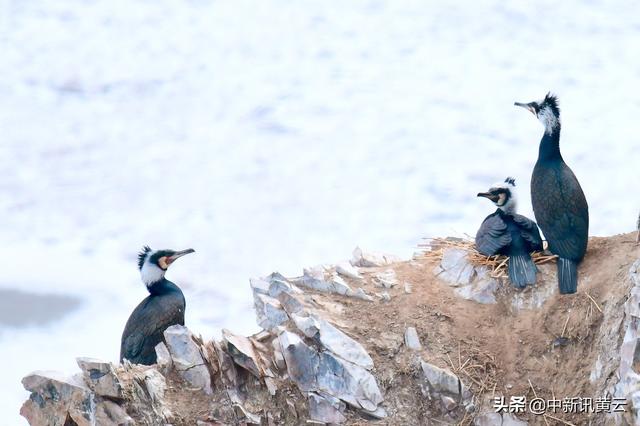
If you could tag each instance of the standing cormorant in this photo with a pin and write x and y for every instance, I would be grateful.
(559, 204)
(163, 307)
(506, 232)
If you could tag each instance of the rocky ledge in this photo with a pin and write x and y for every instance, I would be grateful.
(375, 339)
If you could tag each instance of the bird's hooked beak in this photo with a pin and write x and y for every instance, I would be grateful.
(178, 254)
(530, 106)
(492, 197)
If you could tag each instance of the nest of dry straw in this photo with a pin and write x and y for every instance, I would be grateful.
(434, 248)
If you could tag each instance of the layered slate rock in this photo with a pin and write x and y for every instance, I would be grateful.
(187, 358)
(56, 400)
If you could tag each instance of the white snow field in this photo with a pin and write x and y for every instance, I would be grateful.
(271, 135)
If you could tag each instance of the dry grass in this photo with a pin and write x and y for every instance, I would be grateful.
(434, 248)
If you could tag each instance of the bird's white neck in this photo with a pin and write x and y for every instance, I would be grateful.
(151, 273)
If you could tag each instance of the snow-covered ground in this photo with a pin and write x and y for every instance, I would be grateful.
(270, 135)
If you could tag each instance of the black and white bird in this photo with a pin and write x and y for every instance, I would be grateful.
(559, 204)
(506, 232)
(163, 308)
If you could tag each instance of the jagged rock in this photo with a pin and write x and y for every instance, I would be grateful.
(56, 398)
(386, 279)
(334, 340)
(455, 268)
(411, 339)
(187, 358)
(163, 358)
(509, 419)
(315, 278)
(371, 259)
(481, 290)
(323, 372)
(269, 312)
(361, 294)
(272, 285)
(101, 377)
(628, 384)
(290, 303)
(241, 350)
(471, 282)
(449, 403)
(245, 415)
(108, 413)
(440, 380)
(326, 409)
(348, 270)
(488, 419)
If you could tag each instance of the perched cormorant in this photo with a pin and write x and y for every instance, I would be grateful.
(558, 201)
(163, 307)
(506, 232)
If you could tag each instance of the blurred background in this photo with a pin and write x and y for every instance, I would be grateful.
(272, 135)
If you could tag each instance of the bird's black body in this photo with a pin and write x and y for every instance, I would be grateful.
(515, 236)
(559, 204)
(163, 308)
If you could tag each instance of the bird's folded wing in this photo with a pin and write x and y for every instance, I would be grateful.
(150, 317)
(492, 235)
(529, 231)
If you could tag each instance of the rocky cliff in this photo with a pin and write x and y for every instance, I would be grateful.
(438, 339)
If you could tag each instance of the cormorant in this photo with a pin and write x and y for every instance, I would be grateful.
(506, 232)
(559, 204)
(163, 307)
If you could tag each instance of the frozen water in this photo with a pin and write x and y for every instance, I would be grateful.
(272, 135)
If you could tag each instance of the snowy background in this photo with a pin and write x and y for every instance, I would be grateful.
(272, 135)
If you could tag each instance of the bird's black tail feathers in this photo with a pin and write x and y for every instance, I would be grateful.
(522, 270)
(567, 276)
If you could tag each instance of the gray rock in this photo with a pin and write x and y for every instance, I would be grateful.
(448, 403)
(339, 286)
(509, 419)
(361, 294)
(411, 339)
(407, 288)
(56, 398)
(384, 296)
(482, 290)
(316, 279)
(349, 271)
(241, 350)
(371, 259)
(327, 374)
(246, 416)
(326, 409)
(187, 359)
(269, 312)
(334, 340)
(440, 380)
(163, 358)
(101, 377)
(386, 279)
(290, 303)
(488, 419)
(272, 285)
(455, 267)
(108, 413)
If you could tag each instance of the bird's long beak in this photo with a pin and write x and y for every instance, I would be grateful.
(528, 106)
(488, 195)
(178, 254)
